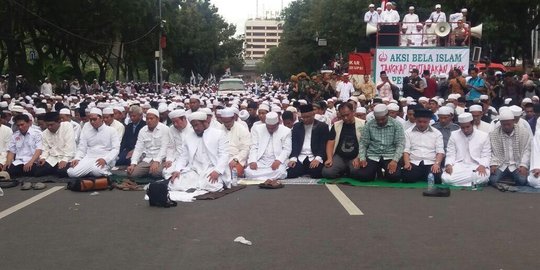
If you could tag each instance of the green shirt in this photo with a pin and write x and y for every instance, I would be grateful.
(385, 142)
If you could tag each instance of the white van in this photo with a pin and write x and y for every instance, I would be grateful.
(233, 86)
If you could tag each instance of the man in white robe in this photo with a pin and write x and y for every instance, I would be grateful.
(239, 141)
(65, 116)
(202, 164)
(271, 145)
(468, 155)
(98, 148)
(108, 118)
(534, 173)
(176, 140)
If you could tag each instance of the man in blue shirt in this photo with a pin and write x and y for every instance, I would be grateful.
(476, 85)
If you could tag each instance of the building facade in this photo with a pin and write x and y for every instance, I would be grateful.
(260, 36)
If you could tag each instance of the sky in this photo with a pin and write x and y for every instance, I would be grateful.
(238, 11)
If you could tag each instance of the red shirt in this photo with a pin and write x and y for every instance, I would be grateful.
(431, 89)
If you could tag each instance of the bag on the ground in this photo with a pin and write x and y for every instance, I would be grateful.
(100, 183)
(158, 194)
(6, 181)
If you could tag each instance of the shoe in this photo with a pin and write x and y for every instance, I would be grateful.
(39, 186)
(26, 186)
(437, 192)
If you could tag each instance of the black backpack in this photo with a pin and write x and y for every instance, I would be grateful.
(158, 194)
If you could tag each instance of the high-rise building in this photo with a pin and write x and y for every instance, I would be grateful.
(260, 36)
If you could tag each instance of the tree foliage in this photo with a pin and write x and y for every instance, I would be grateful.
(507, 28)
(72, 36)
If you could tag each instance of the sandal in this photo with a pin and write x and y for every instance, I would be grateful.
(275, 184)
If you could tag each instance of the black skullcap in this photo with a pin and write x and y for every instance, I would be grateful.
(51, 117)
(306, 108)
(423, 113)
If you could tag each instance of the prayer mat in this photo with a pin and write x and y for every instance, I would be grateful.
(217, 195)
(385, 184)
(289, 181)
(44, 179)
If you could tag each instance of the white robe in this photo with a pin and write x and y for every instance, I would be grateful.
(200, 157)
(176, 142)
(535, 161)
(267, 148)
(465, 154)
(95, 144)
(239, 142)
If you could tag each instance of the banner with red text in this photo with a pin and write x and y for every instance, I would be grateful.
(398, 62)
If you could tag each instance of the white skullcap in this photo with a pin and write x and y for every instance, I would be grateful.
(303, 102)
(484, 97)
(119, 108)
(361, 109)
(437, 6)
(235, 110)
(371, 5)
(526, 100)
(380, 110)
(506, 115)
(272, 118)
(108, 110)
(194, 97)
(393, 107)
(153, 111)
(227, 112)
(65, 111)
(6, 96)
(507, 101)
(177, 113)
(264, 107)
(40, 111)
(445, 110)
(285, 102)
(291, 109)
(423, 99)
(96, 111)
(463, 10)
(465, 118)
(277, 109)
(516, 110)
(535, 98)
(411, 7)
(206, 110)
(146, 106)
(17, 108)
(199, 116)
(244, 115)
(475, 108)
(30, 116)
(452, 96)
(163, 107)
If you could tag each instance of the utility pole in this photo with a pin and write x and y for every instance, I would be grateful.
(161, 25)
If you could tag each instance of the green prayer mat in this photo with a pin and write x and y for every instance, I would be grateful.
(384, 183)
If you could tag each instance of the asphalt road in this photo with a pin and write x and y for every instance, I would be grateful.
(297, 227)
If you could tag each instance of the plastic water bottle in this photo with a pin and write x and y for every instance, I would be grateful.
(474, 185)
(431, 181)
(234, 177)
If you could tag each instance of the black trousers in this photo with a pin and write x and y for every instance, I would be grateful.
(370, 171)
(418, 173)
(122, 160)
(47, 169)
(18, 171)
(303, 169)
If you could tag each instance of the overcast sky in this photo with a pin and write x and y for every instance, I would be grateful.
(238, 11)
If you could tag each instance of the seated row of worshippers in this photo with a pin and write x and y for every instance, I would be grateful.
(200, 149)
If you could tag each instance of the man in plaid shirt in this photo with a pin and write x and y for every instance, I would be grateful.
(381, 147)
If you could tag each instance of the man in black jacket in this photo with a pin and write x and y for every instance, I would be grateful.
(308, 145)
(130, 135)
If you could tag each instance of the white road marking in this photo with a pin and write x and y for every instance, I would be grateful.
(344, 200)
(30, 201)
